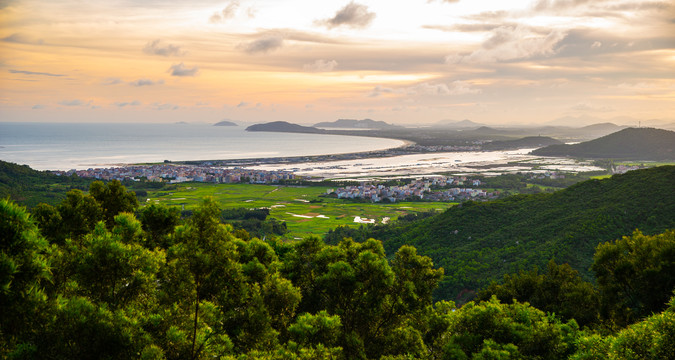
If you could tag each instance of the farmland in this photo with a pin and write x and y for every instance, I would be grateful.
(301, 208)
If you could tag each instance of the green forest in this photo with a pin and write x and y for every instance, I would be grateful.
(98, 276)
(477, 243)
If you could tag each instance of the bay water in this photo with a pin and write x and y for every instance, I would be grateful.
(64, 146)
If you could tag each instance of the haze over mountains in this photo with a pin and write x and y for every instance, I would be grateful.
(444, 130)
(356, 124)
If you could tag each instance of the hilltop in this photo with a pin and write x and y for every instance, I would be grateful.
(356, 124)
(283, 126)
(453, 124)
(481, 242)
(225, 123)
(630, 144)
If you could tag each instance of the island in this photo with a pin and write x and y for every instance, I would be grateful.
(225, 123)
(283, 126)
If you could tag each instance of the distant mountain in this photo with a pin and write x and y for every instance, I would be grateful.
(357, 124)
(283, 126)
(225, 123)
(606, 126)
(526, 142)
(453, 124)
(630, 144)
(477, 243)
(486, 130)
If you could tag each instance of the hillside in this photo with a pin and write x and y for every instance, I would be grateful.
(30, 187)
(283, 126)
(629, 144)
(480, 242)
(356, 124)
(526, 142)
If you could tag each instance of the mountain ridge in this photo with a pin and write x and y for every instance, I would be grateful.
(357, 124)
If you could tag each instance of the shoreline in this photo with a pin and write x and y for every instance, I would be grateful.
(282, 160)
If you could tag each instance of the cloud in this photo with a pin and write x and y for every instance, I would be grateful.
(182, 70)
(156, 47)
(38, 106)
(264, 44)
(600, 8)
(578, 41)
(321, 65)
(33, 73)
(488, 15)
(166, 106)
(74, 102)
(146, 82)
(18, 38)
(251, 12)
(242, 104)
(123, 104)
(228, 12)
(352, 15)
(584, 107)
(112, 81)
(456, 87)
(558, 5)
(445, 1)
(512, 43)
(475, 27)
(379, 90)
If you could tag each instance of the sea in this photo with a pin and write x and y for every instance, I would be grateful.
(65, 146)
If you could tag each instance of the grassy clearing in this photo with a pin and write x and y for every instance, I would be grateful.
(295, 205)
(644, 163)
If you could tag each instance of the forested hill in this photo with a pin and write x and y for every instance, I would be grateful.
(30, 187)
(283, 126)
(631, 143)
(480, 242)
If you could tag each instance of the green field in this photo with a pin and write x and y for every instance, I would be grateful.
(298, 206)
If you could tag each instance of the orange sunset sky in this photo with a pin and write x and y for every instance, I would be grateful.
(410, 62)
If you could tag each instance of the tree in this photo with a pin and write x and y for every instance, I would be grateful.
(115, 270)
(652, 338)
(159, 221)
(374, 300)
(492, 330)
(50, 222)
(229, 288)
(113, 199)
(635, 275)
(559, 290)
(24, 269)
(80, 213)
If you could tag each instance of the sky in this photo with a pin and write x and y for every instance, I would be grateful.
(412, 62)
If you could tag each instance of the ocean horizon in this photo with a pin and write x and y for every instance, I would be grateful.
(65, 146)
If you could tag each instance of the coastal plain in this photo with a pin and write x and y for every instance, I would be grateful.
(302, 208)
